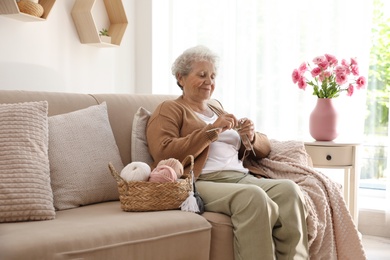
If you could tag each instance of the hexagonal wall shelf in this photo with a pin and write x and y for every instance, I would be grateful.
(86, 27)
(9, 8)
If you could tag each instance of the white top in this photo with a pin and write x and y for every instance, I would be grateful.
(223, 154)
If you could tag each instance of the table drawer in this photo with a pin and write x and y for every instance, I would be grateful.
(330, 155)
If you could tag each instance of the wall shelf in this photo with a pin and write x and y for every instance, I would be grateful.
(9, 8)
(86, 27)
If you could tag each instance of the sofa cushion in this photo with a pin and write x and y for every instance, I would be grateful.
(104, 231)
(221, 247)
(25, 192)
(81, 144)
(139, 144)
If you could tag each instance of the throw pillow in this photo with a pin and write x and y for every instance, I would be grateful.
(139, 144)
(81, 144)
(25, 192)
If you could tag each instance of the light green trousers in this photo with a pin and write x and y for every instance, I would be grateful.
(268, 215)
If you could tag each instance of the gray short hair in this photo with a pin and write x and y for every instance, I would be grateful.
(183, 63)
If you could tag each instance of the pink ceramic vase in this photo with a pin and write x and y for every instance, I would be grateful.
(323, 120)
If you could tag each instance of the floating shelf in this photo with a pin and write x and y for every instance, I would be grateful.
(9, 8)
(86, 27)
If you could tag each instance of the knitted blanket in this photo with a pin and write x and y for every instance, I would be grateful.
(332, 233)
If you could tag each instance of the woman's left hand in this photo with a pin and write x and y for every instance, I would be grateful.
(246, 126)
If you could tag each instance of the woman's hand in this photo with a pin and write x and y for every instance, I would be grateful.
(225, 122)
(246, 127)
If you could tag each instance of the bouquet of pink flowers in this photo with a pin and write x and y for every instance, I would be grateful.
(329, 77)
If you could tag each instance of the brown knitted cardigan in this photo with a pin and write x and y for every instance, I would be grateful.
(175, 131)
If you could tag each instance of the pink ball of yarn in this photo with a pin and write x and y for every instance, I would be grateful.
(175, 164)
(163, 173)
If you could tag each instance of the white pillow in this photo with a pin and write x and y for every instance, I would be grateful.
(25, 192)
(139, 144)
(81, 144)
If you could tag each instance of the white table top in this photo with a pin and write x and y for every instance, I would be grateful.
(331, 143)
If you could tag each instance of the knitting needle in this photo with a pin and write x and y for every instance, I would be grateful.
(242, 121)
(235, 128)
(247, 139)
(246, 136)
(213, 129)
(216, 128)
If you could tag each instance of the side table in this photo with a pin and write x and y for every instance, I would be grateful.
(334, 155)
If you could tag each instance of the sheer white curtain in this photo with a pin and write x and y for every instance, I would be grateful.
(260, 42)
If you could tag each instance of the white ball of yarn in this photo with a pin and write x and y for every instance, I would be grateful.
(136, 171)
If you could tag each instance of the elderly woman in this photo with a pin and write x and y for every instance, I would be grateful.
(269, 216)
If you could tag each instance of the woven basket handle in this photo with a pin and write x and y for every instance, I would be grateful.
(190, 157)
(115, 174)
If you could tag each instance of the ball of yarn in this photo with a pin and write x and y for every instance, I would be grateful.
(163, 173)
(174, 164)
(31, 8)
(136, 171)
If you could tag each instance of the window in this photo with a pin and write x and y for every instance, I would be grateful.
(260, 42)
(376, 158)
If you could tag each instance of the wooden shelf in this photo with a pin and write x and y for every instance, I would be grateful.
(86, 27)
(9, 8)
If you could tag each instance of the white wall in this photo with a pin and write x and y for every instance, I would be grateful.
(48, 55)
(143, 46)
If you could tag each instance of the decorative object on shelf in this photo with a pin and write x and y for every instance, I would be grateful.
(85, 23)
(329, 79)
(30, 7)
(323, 120)
(104, 36)
(11, 9)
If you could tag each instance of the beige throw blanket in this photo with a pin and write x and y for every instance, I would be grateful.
(331, 231)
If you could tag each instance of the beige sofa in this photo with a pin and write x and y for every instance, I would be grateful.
(101, 230)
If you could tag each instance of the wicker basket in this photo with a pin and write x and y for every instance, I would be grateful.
(153, 196)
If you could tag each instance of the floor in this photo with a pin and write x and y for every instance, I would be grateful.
(377, 248)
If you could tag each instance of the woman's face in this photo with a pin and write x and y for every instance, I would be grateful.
(199, 84)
